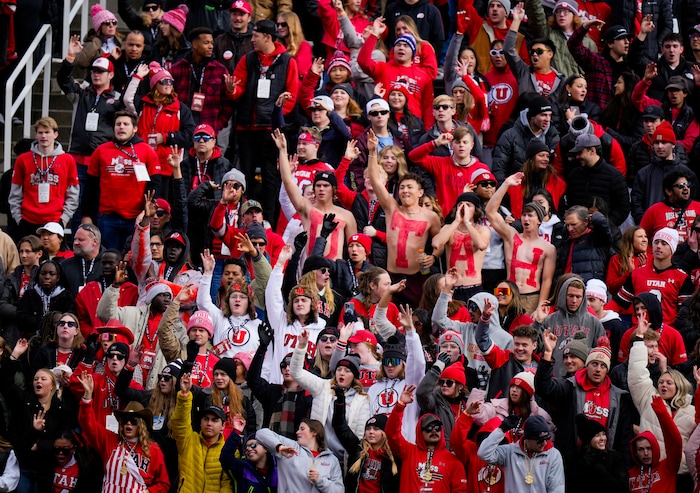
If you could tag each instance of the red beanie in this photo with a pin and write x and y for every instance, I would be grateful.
(455, 372)
(363, 240)
(664, 133)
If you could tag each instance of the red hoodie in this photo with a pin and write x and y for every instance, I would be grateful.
(481, 476)
(660, 476)
(446, 473)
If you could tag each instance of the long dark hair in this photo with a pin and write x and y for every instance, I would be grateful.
(621, 113)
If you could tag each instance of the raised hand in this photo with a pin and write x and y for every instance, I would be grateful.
(406, 317)
(328, 225)
(185, 383)
(245, 245)
(120, 275)
(284, 255)
(380, 90)
(407, 395)
(443, 139)
(231, 82)
(142, 70)
(378, 26)
(487, 310)
(238, 423)
(186, 293)
(208, 261)
(150, 207)
(593, 24)
(372, 142)
(88, 384)
(651, 71)
(451, 279)
(74, 46)
(519, 12)
(286, 451)
(515, 179)
(265, 333)
(280, 140)
(20, 348)
(462, 21)
(303, 339)
(300, 241)
(351, 150)
(283, 98)
(39, 421)
(549, 340)
(317, 66)
(175, 156)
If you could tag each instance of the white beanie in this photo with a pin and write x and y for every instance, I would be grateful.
(670, 236)
(597, 289)
(156, 288)
(526, 381)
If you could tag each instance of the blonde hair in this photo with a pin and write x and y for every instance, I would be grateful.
(308, 280)
(162, 404)
(444, 98)
(144, 436)
(55, 390)
(296, 34)
(46, 121)
(412, 27)
(235, 398)
(354, 385)
(312, 317)
(682, 397)
(364, 453)
(323, 366)
(402, 166)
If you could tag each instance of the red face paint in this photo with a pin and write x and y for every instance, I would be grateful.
(462, 251)
(405, 227)
(515, 263)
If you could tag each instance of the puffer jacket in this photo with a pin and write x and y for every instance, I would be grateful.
(200, 469)
(642, 390)
(247, 477)
(320, 389)
(509, 153)
(624, 13)
(641, 154)
(590, 253)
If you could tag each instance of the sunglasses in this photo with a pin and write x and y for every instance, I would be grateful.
(160, 213)
(129, 420)
(496, 52)
(165, 378)
(63, 323)
(444, 382)
(202, 138)
(391, 361)
(502, 292)
(110, 23)
(166, 82)
(541, 440)
(234, 184)
(378, 112)
(119, 356)
(282, 24)
(538, 51)
(251, 445)
(62, 450)
(328, 339)
(433, 427)
(284, 365)
(258, 243)
(442, 107)
(472, 307)
(151, 8)
(324, 270)
(487, 183)
(682, 186)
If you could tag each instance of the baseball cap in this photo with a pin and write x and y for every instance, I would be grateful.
(584, 141)
(102, 64)
(616, 32)
(653, 112)
(241, 5)
(251, 204)
(51, 228)
(204, 129)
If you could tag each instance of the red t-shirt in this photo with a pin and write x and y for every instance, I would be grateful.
(371, 472)
(545, 82)
(65, 478)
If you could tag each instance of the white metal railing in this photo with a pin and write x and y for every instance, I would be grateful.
(31, 74)
(69, 13)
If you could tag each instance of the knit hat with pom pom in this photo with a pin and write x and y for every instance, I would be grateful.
(100, 16)
(177, 17)
(156, 73)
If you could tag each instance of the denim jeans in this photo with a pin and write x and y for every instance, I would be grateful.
(115, 230)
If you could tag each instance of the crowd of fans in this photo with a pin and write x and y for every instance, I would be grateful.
(346, 246)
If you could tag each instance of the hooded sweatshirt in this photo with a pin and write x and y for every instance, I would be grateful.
(58, 169)
(481, 476)
(438, 470)
(500, 337)
(660, 476)
(565, 324)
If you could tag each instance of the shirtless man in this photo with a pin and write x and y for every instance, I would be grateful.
(325, 186)
(466, 241)
(409, 226)
(530, 260)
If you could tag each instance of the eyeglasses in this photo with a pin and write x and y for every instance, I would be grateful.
(496, 52)
(391, 361)
(682, 186)
(110, 23)
(487, 183)
(418, 323)
(445, 382)
(161, 213)
(331, 339)
(442, 107)
(258, 244)
(378, 112)
(202, 138)
(538, 51)
(251, 445)
(502, 292)
(129, 420)
(62, 450)
(166, 82)
(119, 356)
(88, 228)
(151, 8)
(282, 24)
(63, 323)
(233, 184)
(472, 307)
(165, 378)
(433, 427)
(156, 244)
(324, 270)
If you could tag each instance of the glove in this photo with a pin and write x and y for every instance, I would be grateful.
(192, 351)
(92, 345)
(509, 423)
(339, 394)
(443, 361)
(328, 225)
(300, 241)
(658, 405)
(265, 333)
(462, 21)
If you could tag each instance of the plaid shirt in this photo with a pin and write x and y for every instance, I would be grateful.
(217, 108)
(599, 73)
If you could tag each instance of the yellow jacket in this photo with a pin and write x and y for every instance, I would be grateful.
(200, 469)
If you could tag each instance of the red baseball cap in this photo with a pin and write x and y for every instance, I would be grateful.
(204, 129)
(363, 336)
(241, 5)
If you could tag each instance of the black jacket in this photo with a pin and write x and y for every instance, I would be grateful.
(641, 154)
(624, 13)
(229, 47)
(591, 251)
(30, 309)
(601, 180)
(342, 273)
